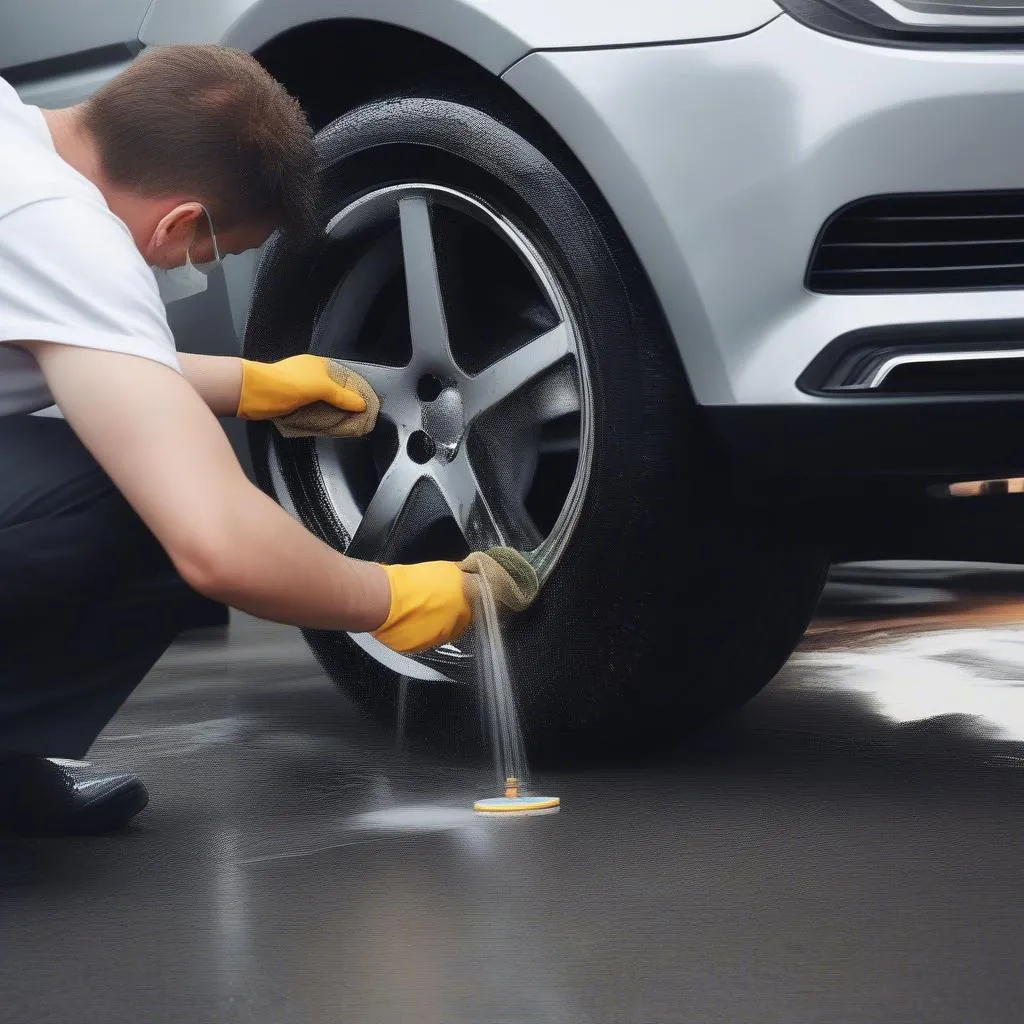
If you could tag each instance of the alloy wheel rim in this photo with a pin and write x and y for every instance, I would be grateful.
(473, 416)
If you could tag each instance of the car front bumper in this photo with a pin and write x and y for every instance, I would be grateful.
(723, 160)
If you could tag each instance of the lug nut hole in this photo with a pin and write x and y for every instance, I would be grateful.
(421, 447)
(429, 387)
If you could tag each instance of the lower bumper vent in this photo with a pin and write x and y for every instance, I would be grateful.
(962, 359)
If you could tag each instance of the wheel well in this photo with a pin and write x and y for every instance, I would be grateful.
(333, 66)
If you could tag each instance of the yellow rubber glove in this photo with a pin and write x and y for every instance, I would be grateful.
(429, 606)
(432, 602)
(275, 391)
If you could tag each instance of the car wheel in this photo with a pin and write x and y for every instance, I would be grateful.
(530, 397)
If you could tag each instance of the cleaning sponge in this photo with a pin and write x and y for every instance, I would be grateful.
(513, 581)
(320, 419)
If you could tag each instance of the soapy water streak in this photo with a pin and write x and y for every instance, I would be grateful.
(496, 693)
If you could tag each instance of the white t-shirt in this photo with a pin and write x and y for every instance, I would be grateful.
(69, 268)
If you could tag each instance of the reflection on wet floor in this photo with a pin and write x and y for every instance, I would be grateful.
(846, 848)
(922, 652)
(974, 672)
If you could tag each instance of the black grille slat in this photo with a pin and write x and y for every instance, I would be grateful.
(896, 257)
(956, 216)
(924, 229)
(929, 280)
(935, 242)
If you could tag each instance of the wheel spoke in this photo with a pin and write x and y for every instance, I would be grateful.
(397, 400)
(427, 325)
(460, 489)
(383, 379)
(555, 396)
(508, 375)
(485, 518)
(385, 508)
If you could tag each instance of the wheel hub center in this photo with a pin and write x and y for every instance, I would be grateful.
(443, 421)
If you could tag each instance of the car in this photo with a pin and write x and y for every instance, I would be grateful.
(684, 299)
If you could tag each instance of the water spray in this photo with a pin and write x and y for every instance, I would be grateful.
(498, 697)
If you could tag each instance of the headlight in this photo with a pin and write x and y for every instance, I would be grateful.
(914, 22)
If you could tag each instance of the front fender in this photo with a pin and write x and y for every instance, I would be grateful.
(494, 33)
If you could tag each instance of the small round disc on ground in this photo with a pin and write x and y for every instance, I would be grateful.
(517, 804)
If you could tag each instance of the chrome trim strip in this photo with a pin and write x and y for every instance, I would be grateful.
(906, 16)
(911, 358)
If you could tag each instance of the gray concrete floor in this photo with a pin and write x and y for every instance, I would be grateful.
(847, 849)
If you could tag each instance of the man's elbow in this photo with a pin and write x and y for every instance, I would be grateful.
(210, 566)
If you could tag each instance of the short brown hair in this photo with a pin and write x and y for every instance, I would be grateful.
(211, 122)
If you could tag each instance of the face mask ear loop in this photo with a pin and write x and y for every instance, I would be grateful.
(213, 235)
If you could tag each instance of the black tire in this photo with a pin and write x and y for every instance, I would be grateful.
(669, 606)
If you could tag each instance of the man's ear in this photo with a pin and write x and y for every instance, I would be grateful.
(173, 234)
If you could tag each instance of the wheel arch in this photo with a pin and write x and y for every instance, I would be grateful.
(334, 66)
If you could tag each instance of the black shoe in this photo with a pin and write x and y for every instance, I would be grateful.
(38, 797)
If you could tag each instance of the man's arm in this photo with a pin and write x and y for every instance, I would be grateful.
(164, 450)
(258, 391)
(218, 379)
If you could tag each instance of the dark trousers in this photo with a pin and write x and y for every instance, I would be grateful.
(88, 599)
